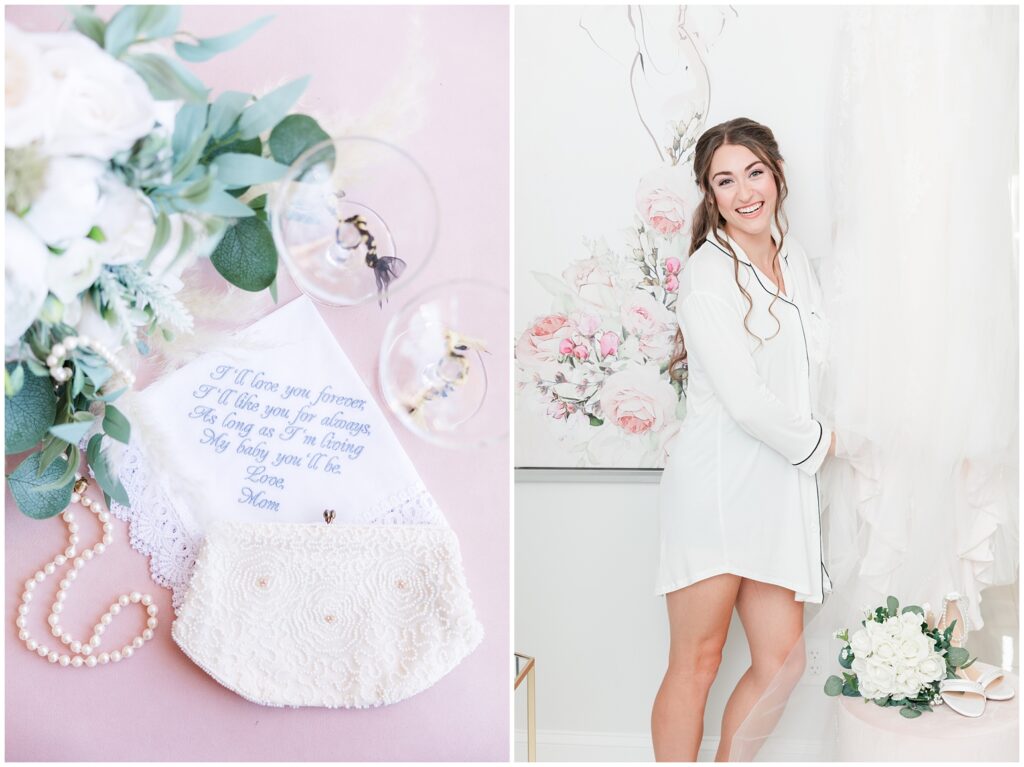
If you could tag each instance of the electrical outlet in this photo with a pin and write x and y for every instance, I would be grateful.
(818, 659)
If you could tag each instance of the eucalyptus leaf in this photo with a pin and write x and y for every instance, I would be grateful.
(29, 414)
(893, 605)
(156, 21)
(246, 256)
(220, 203)
(70, 469)
(294, 135)
(53, 447)
(13, 379)
(268, 111)
(209, 47)
(26, 483)
(909, 713)
(913, 609)
(957, 656)
(188, 124)
(166, 78)
(116, 425)
(238, 146)
(109, 483)
(88, 23)
(71, 432)
(122, 30)
(188, 160)
(833, 685)
(225, 111)
(161, 235)
(241, 170)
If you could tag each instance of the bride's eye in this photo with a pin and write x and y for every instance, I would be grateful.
(756, 172)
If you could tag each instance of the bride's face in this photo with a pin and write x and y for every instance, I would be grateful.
(744, 189)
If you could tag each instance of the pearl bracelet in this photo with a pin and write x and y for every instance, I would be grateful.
(59, 352)
(82, 654)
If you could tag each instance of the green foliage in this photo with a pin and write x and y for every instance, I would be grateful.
(107, 481)
(167, 79)
(246, 256)
(239, 171)
(833, 686)
(115, 425)
(29, 414)
(33, 490)
(266, 112)
(296, 134)
(203, 50)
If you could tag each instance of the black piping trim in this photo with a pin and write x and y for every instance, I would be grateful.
(807, 355)
(821, 433)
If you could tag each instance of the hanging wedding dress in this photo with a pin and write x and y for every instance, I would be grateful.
(921, 295)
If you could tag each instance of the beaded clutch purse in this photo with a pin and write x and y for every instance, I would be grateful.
(342, 616)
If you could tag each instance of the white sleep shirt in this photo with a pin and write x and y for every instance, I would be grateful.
(739, 493)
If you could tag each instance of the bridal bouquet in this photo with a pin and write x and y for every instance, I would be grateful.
(597, 364)
(120, 174)
(896, 660)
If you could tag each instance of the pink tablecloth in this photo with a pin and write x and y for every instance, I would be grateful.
(158, 706)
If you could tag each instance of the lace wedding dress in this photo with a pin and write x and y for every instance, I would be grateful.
(921, 294)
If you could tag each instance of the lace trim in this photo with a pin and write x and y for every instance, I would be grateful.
(156, 529)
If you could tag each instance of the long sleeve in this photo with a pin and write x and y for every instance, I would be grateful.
(715, 341)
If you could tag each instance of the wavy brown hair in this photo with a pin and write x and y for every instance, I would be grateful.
(760, 140)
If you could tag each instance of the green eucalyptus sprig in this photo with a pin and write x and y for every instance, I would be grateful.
(204, 168)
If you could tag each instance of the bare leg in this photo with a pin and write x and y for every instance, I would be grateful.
(773, 621)
(698, 617)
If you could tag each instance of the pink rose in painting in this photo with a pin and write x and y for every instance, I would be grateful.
(660, 204)
(540, 344)
(581, 352)
(609, 344)
(565, 347)
(672, 283)
(587, 324)
(638, 400)
(672, 265)
(557, 409)
(651, 323)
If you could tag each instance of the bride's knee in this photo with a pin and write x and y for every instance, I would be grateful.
(696, 664)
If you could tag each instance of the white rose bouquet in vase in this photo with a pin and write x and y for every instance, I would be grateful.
(121, 172)
(895, 659)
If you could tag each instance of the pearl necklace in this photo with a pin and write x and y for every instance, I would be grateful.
(82, 654)
(59, 352)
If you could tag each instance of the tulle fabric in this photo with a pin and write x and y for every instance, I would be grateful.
(921, 294)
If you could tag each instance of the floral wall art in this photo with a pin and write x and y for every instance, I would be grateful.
(597, 329)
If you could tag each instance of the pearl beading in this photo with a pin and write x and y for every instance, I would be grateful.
(81, 653)
(59, 353)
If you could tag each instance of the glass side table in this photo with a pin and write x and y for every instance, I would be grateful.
(526, 669)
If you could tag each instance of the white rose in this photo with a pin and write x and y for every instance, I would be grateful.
(92, 324)
(74, 270)
(859, 666)
(638, 400)
(932, 668)
(868, 689)
(881, 674)
(884, 649)
(29, 90)
(100, 106)
(126, 218)
(860, 643)
(651, 322)
(25, 259)
(66, 208)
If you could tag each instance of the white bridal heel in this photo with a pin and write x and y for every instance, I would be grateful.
(977, 683)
